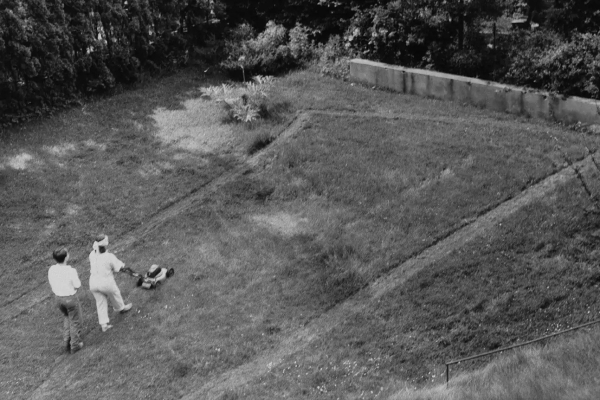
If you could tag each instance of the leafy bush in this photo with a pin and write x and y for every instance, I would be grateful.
(569, 16)
(52, 52)
(245, 103)
(36, 67)
(273, 51)
(333, 58)
(526, 54)
(301, 46)
(474, 59)
(544, 60)
(384, 34)
(450, 39)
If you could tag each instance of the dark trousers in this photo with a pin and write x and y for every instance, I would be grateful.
(71, 309)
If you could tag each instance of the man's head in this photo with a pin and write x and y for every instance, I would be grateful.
(101, 242)
(61, 255)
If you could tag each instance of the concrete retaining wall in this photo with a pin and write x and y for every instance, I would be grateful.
(491, 95)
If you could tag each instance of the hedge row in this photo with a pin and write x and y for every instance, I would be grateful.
(547, 59)
(52, 51)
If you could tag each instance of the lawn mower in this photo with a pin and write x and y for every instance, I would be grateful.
(153, 278)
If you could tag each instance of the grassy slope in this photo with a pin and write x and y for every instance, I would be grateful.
(342, 203)
(531, 277)
(104, 167)
(563, 369)
(516, 289)
(538, 274)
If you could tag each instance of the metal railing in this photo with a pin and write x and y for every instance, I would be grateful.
(448, 363)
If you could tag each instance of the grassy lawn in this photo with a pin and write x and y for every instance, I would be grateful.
(105, 167)
(567, 369)
(334, 207)
(534, 275)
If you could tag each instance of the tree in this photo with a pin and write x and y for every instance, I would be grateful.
(421, 32)
(465, 14)
(527, 8)
(35, 55)
(327, 17)
(570, 16)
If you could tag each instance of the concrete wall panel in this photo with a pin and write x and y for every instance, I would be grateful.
(575, 109)
(480, 93)
(384, 77)
(408, 83)
(536, 105)
(488, 96)
(461, 91)
(440, 87)
(399, 80)
(418, 84)
(514, 101)
(363, 72)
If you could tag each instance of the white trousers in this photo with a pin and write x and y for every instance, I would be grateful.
(103, 291)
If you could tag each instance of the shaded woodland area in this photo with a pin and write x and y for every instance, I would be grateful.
(54, 53)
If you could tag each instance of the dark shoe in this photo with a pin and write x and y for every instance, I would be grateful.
(126, 308)
(76, 348)
(68, 345)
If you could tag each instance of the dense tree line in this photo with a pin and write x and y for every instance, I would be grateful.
(53, 51)
(457, 36)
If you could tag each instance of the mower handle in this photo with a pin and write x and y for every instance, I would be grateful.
(131, 272)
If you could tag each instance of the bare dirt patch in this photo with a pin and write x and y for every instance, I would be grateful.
(92, 144)
(155, 169)
(61, 150)
(197, 127)
(19, 162)
(282, 223)
(72, 209)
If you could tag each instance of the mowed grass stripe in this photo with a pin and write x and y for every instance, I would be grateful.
(32, 297)
(103, 167)
(331, 211)
(228, 289)
(235, 380)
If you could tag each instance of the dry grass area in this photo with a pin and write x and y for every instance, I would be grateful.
(105, 167)
(368, 184)
(197, 127)
(563, 369)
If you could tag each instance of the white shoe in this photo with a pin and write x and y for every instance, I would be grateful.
(126, 308)
(76, 348)
(106, 327)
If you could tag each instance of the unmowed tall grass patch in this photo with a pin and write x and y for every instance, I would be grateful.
(103, 167)
(562, 368)
(527, 278)
(403, 184)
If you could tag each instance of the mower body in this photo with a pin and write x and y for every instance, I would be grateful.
(154, 277)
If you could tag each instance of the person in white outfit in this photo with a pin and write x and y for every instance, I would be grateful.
(103, 265)
(64, 282)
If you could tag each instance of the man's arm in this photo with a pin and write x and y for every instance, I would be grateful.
(117, 265)
(128, 271)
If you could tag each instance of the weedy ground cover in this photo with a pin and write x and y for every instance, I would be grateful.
(563, 369)
(533, 275)
(107, 166)
(338, 204)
